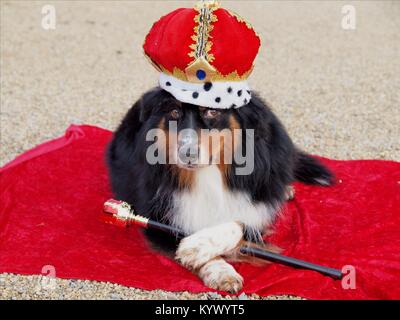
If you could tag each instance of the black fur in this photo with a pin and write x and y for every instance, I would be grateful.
(149, 188)
(310, 170)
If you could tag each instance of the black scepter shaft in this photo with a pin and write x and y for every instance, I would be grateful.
(151, 224)
(262, 254)
(289, 261)
(120, 213)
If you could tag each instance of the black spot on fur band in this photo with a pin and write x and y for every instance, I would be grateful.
(207, 86)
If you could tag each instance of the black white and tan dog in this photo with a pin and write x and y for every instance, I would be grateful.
(215, 205)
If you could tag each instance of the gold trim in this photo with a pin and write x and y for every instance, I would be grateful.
(131, 217)
(139, 220)
(204, 20)
(233, 76)
(216, 76)
(200, 63)
(243, 20)
(240, 19)
(212, 4)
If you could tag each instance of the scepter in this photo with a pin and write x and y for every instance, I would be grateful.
(121, 214)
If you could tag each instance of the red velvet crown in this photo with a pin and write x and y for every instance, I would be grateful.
(203, 44)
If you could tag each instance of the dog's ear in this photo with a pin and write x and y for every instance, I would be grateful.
(146, 104)
(256, 115)
(151, 101)
(144, 111)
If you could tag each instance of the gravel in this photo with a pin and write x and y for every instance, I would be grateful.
(336, 91)
(17, 287)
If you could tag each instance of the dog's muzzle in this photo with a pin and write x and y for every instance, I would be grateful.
(188, 150)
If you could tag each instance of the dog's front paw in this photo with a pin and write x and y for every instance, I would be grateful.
(220, 275)
(194, 251)
(191, 254)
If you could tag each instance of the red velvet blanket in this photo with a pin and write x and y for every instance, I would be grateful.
(51, 198)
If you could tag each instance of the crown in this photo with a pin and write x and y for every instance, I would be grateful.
(204, 44)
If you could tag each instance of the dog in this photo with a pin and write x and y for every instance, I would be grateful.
(215, 205)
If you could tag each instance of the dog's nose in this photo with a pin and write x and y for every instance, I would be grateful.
(188, 153)
(186, 139)
(188, 149)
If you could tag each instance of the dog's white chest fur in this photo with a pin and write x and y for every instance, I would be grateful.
(209, 203)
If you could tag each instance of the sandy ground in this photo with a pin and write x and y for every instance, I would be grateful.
(337, 91)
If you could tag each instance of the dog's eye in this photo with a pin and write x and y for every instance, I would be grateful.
(175, 114)
(211, 113)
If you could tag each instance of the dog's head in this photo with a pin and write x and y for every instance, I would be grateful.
(186, 135)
